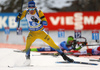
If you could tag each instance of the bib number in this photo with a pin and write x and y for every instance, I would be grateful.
(33, 23)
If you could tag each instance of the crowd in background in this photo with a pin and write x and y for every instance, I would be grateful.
(77, 5)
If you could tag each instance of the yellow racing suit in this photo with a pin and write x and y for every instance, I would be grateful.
(37, 30)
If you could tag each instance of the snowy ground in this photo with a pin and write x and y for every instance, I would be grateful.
(41, 62)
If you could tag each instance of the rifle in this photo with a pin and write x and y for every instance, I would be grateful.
(85, 42)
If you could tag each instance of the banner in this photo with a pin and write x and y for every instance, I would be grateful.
(57, 20)
(7, 31)
(8, 20)
(95, 35)
(77, 34)
(61, 33)
(73, 20)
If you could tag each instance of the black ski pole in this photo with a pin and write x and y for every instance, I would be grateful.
(20, 12)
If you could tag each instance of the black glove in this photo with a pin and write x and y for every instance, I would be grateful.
(34, 19)
(44, 23)
(74, 42)
(18, 17)
(41, 23)
(84, 44)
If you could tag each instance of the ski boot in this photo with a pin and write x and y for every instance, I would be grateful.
(27, 56)
(66, 58)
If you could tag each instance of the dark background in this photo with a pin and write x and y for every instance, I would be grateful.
(77, 5)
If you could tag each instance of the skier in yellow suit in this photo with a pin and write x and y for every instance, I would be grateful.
(36, 20)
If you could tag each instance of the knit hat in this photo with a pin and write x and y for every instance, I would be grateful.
(31, 4)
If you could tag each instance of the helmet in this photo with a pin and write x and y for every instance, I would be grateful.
(70, 38)
(31, 4)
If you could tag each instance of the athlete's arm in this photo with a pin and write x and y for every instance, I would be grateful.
(63, 44)
(42, 17)
(21, 16)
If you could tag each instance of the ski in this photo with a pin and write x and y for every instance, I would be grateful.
(98, 60)
(78, 62)
(19, 51)
(20, 66)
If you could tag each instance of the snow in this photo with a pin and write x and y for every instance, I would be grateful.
(40, 62)
(59, 3)
(2, 2)
(45, 5)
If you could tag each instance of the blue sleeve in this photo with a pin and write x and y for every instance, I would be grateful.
(41, 49)
(44, 23)
(63, 44)
(46, 49)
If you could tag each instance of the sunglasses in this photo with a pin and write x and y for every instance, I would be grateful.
(31, 9)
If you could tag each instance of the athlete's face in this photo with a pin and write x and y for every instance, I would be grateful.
(70, 42)
(31, 10)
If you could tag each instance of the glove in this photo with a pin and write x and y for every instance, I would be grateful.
(18, 17)
(84, 44)
(34, 19)
(44, 23)
(74, 42)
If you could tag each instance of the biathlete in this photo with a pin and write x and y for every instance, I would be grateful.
(36, 20)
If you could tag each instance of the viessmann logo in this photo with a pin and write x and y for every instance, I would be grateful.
(78, 19)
